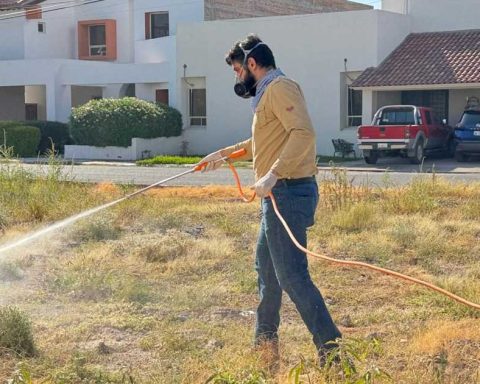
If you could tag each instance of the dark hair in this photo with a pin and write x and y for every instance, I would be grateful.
(263, 55)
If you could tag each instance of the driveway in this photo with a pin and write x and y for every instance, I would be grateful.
(397, 164)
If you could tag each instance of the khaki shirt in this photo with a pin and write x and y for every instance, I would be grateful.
(283, 138)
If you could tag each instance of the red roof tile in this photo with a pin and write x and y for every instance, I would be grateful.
(426, 59)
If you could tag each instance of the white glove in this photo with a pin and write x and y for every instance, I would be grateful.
(263, 186)
(212, 160)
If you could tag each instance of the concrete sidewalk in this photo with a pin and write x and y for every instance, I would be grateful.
(403, 166)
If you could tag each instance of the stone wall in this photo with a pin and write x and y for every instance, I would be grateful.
(237, 9)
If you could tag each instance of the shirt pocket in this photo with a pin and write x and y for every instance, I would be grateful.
(262, 118)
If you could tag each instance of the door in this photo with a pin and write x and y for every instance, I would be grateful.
(161, 96)
(31, 112)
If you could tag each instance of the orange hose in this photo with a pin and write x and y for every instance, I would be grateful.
(346, 262)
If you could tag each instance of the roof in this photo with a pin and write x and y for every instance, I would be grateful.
(16, 4)
(440, 58)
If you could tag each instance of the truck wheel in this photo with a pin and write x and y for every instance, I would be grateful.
(371, 158)
(418, 154)
(460, 157)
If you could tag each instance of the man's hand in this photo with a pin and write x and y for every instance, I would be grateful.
(263, 186)
(213, 161)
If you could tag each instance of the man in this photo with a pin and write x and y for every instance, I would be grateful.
(283, 150)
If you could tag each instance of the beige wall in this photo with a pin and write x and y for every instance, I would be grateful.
(12, 103)
(387, 98)
(82, 95)
(235, 9)
(457, 102)
(36, 94)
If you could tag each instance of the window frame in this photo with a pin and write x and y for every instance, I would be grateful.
(83, 41)
(352, 117)
(149, 24)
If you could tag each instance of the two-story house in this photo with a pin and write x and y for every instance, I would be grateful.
(55, 55)
(58, 55)
(349, 64)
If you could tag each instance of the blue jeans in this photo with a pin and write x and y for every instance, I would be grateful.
(282, 266)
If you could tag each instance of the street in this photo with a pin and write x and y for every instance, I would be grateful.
(395, 171)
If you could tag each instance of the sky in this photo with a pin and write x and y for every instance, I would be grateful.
(375, 3)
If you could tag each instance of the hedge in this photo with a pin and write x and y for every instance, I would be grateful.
(114, 122)
(23, 138)
(52, 131)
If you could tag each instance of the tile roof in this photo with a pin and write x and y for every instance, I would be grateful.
(426, 59)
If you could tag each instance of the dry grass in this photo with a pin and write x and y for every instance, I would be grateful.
(161, 289)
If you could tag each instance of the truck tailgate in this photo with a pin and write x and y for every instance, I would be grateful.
(381, 132)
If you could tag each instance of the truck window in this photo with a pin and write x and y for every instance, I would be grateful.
(397, 117)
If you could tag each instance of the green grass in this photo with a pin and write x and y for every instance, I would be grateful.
(182, 160)
(177, 160)
(162, 288)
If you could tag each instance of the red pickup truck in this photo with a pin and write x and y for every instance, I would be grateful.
(407, 131)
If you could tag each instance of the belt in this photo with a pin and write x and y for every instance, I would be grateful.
(301, 180)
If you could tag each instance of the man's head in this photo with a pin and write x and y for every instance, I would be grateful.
(250, 59)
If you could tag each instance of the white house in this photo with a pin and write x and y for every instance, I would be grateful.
(326, 53)
(52, 59)
(58, 55)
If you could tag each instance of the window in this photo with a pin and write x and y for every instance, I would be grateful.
(350, 101)
(156, 25)
(198, 107)
(354, 108)
(97, 40)
(42, 28)
(437, 100)
(397, 116)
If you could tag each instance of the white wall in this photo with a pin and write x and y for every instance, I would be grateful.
(140, 149)
(457, 102)
(148, 91)
(59, 39)
(392, 30)
(12, 103)
(163, 49)
(11, 39)
(155, 50)
(398, 6)
(444, 15)
(383, 98)
(179, 12)
(311, 50)
(82, 95)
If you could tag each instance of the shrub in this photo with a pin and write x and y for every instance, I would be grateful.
(115, 122)
(23, 138)
(16, 332)
(52, 131)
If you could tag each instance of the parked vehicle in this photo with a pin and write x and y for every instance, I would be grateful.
(467, 133)
(406, 131)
